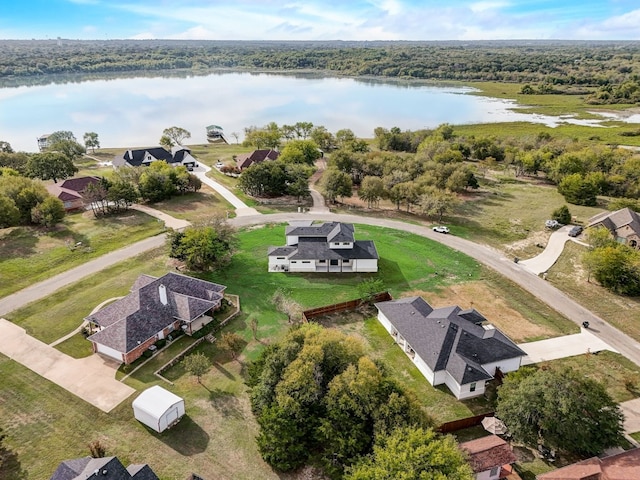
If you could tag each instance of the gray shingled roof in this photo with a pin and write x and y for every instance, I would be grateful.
(449, 338)
(331, 231)
(137, 157)
(110, 468)
(141, 314)
(617, 219)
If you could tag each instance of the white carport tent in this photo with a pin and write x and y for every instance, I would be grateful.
(158, 408)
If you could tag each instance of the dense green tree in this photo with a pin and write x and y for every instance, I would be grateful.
(166, 142)
(17, 161)
(562, 409)
(371, 190)
(91, 141)
(316, 395)
(197, 364)
(297, 182)
(413, 454)
(323, 138)
(265, 179)
(9, 213)
(157, 182)
(562, 215)
(616, 267)
(176, 134)
(5, 147)
(300, 151)
(48, 212)
(577, 190)
(336, 184)
(121, 195)
(50, 166)
(69, 148)
(205, 247)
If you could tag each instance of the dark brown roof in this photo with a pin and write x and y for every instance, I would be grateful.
(623, 466)
(142, 314)
(488, 452)
(78, 184)
(257, 156)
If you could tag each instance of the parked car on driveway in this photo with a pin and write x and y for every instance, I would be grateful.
(575, 231)
(441, 229)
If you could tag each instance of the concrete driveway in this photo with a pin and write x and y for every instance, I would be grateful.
(91, 378)
(561, 347)
(543, 262)
(242, 209)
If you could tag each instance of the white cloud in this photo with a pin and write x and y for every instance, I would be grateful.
(478, 7)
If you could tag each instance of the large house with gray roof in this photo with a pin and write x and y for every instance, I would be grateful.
(449, 345)
(624, 225)
(154, 308)
(323, 247)
(179, 155)
(106, 468)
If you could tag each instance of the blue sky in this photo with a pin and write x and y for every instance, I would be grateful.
(321, 19)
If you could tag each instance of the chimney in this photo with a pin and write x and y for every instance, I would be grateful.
(162, 290)
(489, 330)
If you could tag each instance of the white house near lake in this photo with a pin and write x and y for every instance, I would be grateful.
(449, 345)
(323, 247)
(158, 408)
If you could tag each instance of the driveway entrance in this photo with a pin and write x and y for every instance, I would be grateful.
(91, 378)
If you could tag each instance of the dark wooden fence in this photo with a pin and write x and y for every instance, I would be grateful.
(456, 425)
(342, 307)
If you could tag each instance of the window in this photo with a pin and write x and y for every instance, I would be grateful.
(346, 243)
(472, 387)
(306, 261)
(334, 262)
(494, 471)
(322, 261)
(346, 261)
(280, 258)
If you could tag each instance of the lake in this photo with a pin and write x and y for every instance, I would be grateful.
(132, 112)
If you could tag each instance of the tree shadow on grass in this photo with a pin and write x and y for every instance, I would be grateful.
(226, 403)
(10, 466)
(224, 371)
(19, 243)
(186, 438)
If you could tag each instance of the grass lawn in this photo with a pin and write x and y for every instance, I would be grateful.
(569, 275)
(195, 207)
(29, 255)
(76, 346)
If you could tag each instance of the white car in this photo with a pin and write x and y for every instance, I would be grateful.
(441, 229)
(219, 165)
(551, 224)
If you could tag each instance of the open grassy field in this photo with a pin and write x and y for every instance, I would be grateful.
(569, 275)
(29, 254)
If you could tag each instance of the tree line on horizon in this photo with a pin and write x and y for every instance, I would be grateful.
(548, 66)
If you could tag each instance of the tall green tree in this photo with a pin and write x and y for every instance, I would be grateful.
(176, 134)
(69, 148)
(562, 409)
(266, 137)
(91, 141)
(562, 215)
(157, 182)
(413, 454)
(9, 213)
(371, 190)
(231, 342)
(336, 184)
(50, 166)
(300, 151)
(5, 147)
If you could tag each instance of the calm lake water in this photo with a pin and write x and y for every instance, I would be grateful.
(130, 112)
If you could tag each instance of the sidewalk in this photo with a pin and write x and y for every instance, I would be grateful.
(242, 209)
